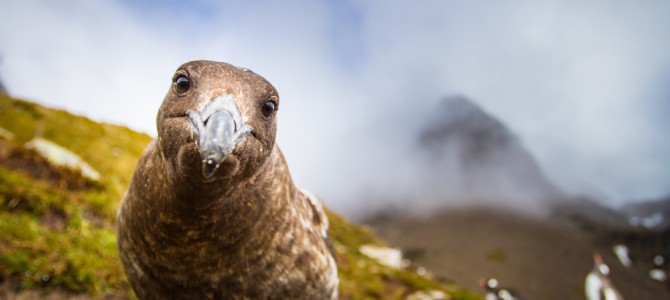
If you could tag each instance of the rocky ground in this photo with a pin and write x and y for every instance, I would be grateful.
(542, 258)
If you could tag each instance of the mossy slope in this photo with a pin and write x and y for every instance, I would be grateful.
(57, 229)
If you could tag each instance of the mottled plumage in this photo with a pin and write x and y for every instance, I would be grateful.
(231, 226)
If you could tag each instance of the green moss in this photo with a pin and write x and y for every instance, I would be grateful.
(52, 237)
(38, 255)
(20, 192)
(79, 259)
(364, 278)
(111, 150)
(16, 228)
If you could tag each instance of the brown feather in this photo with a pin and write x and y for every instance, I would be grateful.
(246, 233)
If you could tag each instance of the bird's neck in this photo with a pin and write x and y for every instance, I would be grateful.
(234, 209)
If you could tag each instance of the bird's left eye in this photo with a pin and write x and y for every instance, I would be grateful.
(182, 84)
(269, 108)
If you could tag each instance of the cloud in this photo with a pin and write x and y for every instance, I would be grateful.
(576, 81)
(91, 59)
(571, 79)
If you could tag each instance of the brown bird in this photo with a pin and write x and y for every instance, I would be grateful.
(495, 292)
(597, 284)
(212, 211)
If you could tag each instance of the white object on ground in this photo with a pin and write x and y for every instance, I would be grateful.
(658, 275)
(6, 134)
(390, 257)
(622, 253)
(60, 156)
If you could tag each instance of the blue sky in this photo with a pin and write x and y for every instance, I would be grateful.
(583, 84)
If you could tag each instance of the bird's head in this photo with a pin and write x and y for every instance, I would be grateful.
(600, 265)
(217, 120)
(488, 283)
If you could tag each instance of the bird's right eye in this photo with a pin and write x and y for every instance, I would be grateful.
(269, 108)
(182, 84)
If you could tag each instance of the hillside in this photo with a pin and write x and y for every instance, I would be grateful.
(57, 235)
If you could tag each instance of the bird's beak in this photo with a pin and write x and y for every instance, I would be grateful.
(220, 128)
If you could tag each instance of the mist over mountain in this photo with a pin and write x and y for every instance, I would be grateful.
(470, 157)
(464, 156)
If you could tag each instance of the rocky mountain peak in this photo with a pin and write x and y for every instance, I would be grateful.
(472, 156)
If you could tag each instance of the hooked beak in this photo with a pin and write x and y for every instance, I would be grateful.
(220, 128)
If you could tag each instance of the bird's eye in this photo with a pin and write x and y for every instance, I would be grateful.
(182, 84)
(269, 108)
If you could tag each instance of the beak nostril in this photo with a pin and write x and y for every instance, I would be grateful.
(209, 167)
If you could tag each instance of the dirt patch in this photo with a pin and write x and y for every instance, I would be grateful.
(54, 219)
(394, 288)
(95, 218)
(10, 290)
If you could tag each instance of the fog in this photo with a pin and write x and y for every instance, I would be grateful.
(583, 86)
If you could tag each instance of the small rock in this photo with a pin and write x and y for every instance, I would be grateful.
(658, 275)
(390, 257)
(61, 156)
(6, 134)
(428, 295)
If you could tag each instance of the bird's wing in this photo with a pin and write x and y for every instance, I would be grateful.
(593, 285)
(319, 218)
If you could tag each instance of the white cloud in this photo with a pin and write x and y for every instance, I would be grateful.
(572, 79)
(90, 58)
